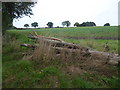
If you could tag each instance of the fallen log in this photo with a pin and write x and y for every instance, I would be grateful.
(29, 45)
(59, 46)
(112, 59)
(85, 52)
(55, 44)
(81, 52)
(31, 36)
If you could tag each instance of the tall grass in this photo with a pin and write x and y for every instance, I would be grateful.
(47, 54)
(96, 44)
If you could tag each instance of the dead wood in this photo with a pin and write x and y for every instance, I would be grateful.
(29, 46)
(36, 36)
(59, 46)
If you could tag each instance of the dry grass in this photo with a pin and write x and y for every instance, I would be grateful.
(43, 51)
(45, 54)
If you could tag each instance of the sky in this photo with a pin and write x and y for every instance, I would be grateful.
(57, 11)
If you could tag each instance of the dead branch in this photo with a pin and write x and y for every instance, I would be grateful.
(36, 36)
(59, 46)
(29, 46)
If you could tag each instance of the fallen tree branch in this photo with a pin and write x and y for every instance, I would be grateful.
(29, 46)
(36, 36)
(59, 46)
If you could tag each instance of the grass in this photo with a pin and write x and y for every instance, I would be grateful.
(86, 32)
(96, 44)
(78, 82)
(75, 32)
(51, 73)
(22, 74)
(98, 81)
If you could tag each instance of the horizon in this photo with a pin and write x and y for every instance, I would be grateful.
(99, 12)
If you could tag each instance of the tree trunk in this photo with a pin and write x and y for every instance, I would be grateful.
(6, 21)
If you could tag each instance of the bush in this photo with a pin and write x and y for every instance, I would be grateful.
(88, 24)
(107, 24)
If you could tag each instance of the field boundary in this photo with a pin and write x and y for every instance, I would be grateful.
(97, 38)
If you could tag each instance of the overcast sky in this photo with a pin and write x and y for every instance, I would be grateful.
(57, 11)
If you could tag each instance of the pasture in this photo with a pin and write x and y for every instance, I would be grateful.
(75, 31)
(93, 37)
(57, 73)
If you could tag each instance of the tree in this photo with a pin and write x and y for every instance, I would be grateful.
(50, 24)
(67, 23)
(15, 10)
(35, 24)
(107, 24)
(83, 24)
(88, 24)
(63, 23)
(26, 25)
(77, 24)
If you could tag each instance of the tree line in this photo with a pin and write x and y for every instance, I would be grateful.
(65, 23)
(16, 10)
(49, 24)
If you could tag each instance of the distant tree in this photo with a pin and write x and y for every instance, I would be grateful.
(57, 26)
(91, 24)
(26, 25)
(67, 23)
(35, 24)
(83, 24)
(77, 24)
(50, 24)
(88, 24)
(63, 23)
(107, 24)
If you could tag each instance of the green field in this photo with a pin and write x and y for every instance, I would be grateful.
(74, 35)
(76, 32)
(54, 73)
